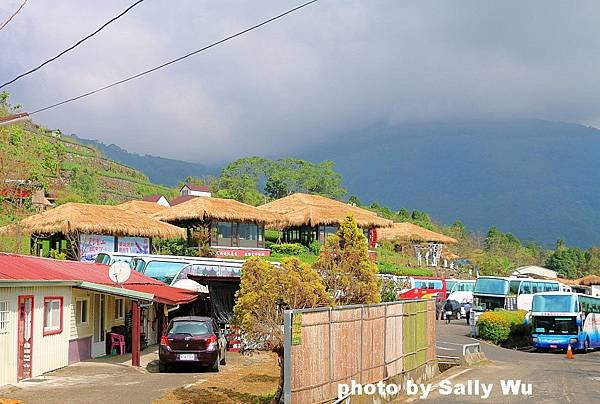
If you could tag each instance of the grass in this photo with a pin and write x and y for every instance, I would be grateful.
(386, 268)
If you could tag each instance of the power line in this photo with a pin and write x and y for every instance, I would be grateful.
(5, 23)
(73, 46)
(177, 59)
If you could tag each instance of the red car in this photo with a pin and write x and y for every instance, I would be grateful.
(195, 340)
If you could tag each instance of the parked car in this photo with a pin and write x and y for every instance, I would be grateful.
(192, 340)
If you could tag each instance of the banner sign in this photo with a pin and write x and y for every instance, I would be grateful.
(223, 252)
(133, 245)
(90, 245)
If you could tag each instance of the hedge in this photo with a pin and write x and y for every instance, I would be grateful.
(497, 326)
(288, 249)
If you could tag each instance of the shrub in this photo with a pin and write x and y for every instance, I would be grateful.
(288, 249)
(498, 326)
(387, 268)
(315, 247)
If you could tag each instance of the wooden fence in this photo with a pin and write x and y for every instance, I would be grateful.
(364, 343)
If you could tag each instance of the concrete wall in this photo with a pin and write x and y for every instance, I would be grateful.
(49, 352)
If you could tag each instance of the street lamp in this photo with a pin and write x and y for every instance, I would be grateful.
(14, 118)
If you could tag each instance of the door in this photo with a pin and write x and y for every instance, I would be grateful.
(98, 339)
(25, 337)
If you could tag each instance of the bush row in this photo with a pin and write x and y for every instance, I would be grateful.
(501, 325)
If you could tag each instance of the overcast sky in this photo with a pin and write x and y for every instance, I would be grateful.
(330, 68)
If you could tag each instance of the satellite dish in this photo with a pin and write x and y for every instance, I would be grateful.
(119, 272)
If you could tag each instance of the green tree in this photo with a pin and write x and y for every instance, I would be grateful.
(353, 200)
(344, 263)
(568, 262)
(84, 182)
(265, 291)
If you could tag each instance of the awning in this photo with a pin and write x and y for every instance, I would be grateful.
(117, 291)
(166, 294)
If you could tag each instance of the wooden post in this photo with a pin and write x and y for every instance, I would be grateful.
(135, 334)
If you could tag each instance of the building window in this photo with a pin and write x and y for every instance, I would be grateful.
(119, 309)
(53, 311)
(248, 234)
(185, 192)
(224, 234)
(81, 311)
(4, 316)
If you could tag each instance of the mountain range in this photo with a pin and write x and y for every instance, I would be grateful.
(538, 179)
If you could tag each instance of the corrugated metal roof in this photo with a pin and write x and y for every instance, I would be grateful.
(29, 268)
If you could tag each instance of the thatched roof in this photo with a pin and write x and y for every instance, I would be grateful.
(589, 280)
(97, 219)
(143, 207)
(204, 208)
(406, 231)
(314, 210)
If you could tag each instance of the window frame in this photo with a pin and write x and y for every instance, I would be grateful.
(78, 321)
(121, 301)
(52, 330)
(4, 324)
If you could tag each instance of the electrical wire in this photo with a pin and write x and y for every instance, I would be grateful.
(5, 23)
(176, 59)
(73, 46)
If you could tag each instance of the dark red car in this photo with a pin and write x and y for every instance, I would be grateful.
(195, 340)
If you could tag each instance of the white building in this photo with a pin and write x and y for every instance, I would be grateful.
(158, 199)
(195, 190)
(535, 271)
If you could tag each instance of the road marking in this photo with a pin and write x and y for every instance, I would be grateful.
(445, 349)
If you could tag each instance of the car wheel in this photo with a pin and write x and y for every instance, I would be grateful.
(162, 367)
(215, 366)
(458, 315)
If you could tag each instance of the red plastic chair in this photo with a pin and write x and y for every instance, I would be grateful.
(116, 341)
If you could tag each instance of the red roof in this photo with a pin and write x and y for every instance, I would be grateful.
(153, 198)
(198, 188)
(181, 199)
(29, 268)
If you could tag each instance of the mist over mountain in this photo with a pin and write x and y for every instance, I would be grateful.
(159, 170)
(537, 179)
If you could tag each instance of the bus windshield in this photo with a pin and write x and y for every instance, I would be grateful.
(463, 287)
(555, 303)
(554, 325)
(428, 284)
(164, 271)
(450, 284)
(491, 286)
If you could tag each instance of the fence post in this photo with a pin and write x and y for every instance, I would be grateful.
(287, 356)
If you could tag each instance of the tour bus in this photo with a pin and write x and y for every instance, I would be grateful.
(422, 287)
(460, 290)
(561, 318)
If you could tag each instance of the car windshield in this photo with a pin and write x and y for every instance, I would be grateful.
(555, 303)
(491, 286)
(164, 271)
(190, 327)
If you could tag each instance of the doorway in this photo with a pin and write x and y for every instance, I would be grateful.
(99, 337)
(25, 337)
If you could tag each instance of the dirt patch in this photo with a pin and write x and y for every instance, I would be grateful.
(246, 379)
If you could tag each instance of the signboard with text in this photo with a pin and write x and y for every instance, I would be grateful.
(133, 245)
(90, 245)
(223, 252)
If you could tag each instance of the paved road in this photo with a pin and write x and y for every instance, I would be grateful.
(554, 378)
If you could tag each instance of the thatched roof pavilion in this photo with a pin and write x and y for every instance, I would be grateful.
(409, 232)
(312, 217)
(73, 218)
(231, 227)
(588, 280)
(205, 209)
(143, 207)
(314, 210)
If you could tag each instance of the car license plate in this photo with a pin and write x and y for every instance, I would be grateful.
(187, 357)
(553, 346)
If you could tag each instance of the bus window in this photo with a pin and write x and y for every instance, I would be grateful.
(525, 288)
(537, 287)
(514, 287)
(552, 287)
